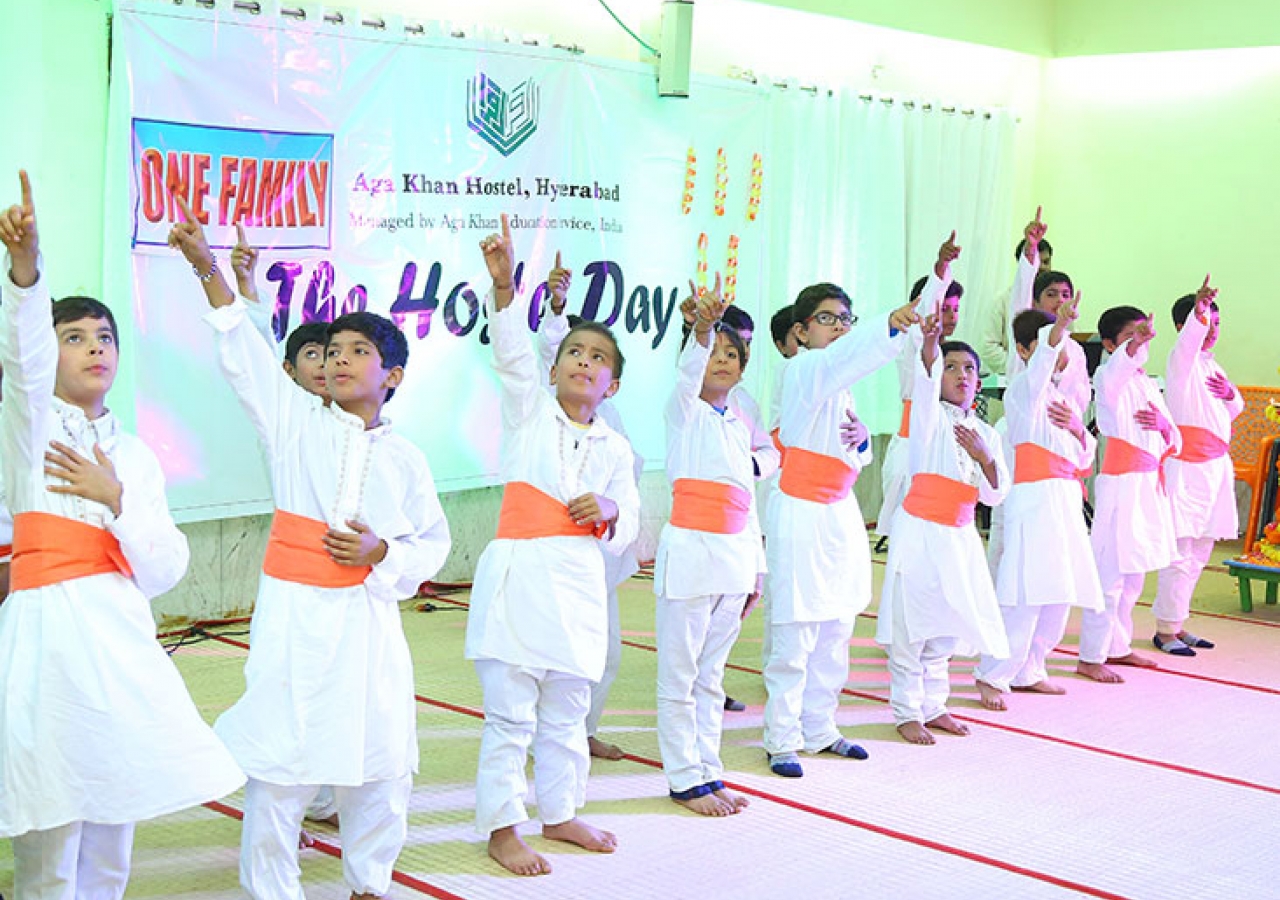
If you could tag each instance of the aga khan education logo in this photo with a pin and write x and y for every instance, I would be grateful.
(505, 119)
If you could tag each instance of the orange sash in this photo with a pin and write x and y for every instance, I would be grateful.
(709, 506)
(777, 441)
(529, 513)
(1123, 458)
(6, 550)
(296, 553)
(1035, 463)
(936, 498)
(50, 549)
(1201, 445)
(815, 476)
(904, 428)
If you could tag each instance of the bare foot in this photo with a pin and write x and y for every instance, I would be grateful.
(1133, 659)
(707, 805)
(514, 855)
(992, 696)
(945, 723)
(576, 831)
(734, 799)
(305, 839)
(1098, 672)
(1040, 687)
(915, 733)
(602, 750)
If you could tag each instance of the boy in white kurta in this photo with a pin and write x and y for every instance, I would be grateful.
(895, 471)
(1200, 478)
(97, 730)
(819, 563)
(538, 626)
(358, 527)
(710, 561)
(1133, 517)
(938, 598)
(618, 567)
(1047, 566)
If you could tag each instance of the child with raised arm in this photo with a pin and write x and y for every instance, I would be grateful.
(895, 474)
(618, 567)
(538, 626)
(1201, 481)
(819, 563)
(97, 730)
(358, 527)
(938, 599)
(1047, 566)
(710, 560)
(1046, 290)
(1133, 518)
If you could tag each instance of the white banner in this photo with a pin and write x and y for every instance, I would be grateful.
(367, 170)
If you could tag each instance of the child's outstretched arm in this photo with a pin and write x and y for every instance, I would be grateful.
(1028, 267)
(513, 355)
(247, 359)
(28, 345)
(554, 324)
(188, 238)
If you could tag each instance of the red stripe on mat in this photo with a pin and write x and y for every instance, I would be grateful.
(1039, 735)
(814, 810)
(332, 850)
(1195, 676)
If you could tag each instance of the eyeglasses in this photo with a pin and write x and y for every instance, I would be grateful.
(848, 320)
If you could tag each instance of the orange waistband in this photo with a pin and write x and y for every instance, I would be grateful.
(815, 476)
(296, 553)
(709, 506)
(1122, 458)
(904, 427)
(529, 513)
(1035, 463)
(49, 549)
(1201, 445)
(775, 436)
(936, 498)
(6, 550)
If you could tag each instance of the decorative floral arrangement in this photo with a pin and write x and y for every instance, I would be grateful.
(1272, 412)
(1267, 551)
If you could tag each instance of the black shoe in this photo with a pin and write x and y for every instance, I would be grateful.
(733, 705)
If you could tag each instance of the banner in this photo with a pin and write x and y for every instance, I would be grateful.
(367, 169)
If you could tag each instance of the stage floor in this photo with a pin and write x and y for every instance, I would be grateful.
(1165, 786)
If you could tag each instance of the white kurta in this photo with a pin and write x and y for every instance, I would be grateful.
(1047, 558)
(895, 470)
(552, 330)
(945, 589)
(1132, 518)
(819, 564)
(706, 445)
(764, 454)
(541, 603)
(1204, 500)
(96, 724)
(329, 681)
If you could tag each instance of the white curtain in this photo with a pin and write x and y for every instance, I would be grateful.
(872, 187)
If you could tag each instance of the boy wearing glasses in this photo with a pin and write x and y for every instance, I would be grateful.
(819, 566)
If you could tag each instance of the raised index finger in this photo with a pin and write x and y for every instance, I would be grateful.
(1038, 209)
(187, 215)
(240, 236)
(25, 181)
(1205, 286)
(558, 266)
(506, 228)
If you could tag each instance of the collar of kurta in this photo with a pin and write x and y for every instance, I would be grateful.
(351, 420)
(101, 431)
(596, 429)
